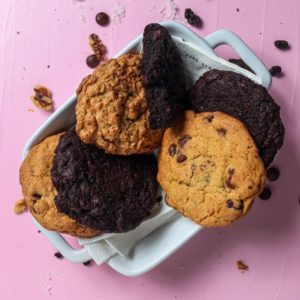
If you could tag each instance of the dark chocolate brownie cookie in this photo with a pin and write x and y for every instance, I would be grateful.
(163, 77)
(245, 100)
(111, 192)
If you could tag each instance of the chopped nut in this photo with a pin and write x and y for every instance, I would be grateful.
(20, 206)
(42, 98)
(242, 266)
(97, 46)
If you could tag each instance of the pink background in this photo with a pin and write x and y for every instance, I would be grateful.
(55, 33)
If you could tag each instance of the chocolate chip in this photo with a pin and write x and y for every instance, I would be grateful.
(48, 67)
(250, 187)
(275, 71)
(238, 10)
(87, 263)
(229, 203)
(102, 19)
(39, 231)
(281, 44)
(159, 198)
(172, 150)
(209, 118)
(36, 196)
(229, 184)
(181, 158)
(221, 131)
(182, 141)
(241, 206)
(92, 61)
(265, 194)
(192, 18)
(58, 255)
(273, 174)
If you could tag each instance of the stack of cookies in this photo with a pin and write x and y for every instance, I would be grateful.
(101, 175)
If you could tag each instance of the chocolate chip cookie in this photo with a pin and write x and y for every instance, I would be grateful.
(240, 97)
(210, 168)
(107, 192)
(39, 192)
(112, 111)
(163, 77)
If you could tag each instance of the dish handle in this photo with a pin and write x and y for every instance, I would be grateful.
(226, 37)
(75, 255)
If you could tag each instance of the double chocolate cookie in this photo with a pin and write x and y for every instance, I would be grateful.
(102, 191)
(39, 192)
(240, 97)
(163, 77)
(210, 168)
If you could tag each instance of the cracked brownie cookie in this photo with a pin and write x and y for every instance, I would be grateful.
(240, 97)
(108, 192)
(210, 168)
(163, 77)
(39, 192)
(112, 110)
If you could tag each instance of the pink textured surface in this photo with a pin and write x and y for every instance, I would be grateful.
(38, 33)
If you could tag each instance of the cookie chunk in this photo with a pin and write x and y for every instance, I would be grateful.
(240, 97)
(39, 192)
(210, 168)
(163, 77)
(107, 192)
(112, 110)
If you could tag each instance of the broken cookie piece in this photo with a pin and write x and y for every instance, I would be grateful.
(42, 98)
(20, 206)
(97, 46)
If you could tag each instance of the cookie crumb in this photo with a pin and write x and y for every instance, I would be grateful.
(192, 18)
(118, 12)
(20, 206)
(30, 110)
(242, 266)
(42, 98)
(58, 255)
(87, 263)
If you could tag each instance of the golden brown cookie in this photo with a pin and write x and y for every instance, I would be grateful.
(112, 111)
(210, 168)
(39, 192)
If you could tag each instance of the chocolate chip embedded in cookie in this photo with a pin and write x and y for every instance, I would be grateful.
(108, 192)
(163, 77)
(215, 175)
(112, 110)
(240, 97)
(39, 192)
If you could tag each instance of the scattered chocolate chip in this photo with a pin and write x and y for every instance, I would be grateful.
(275, 71)
(239, 62)
(87, 263)
(36, 196)
(92, 61)
(242, 266)
(172, 149)
(192, 18)
(182, 141)
(58, 255)
(229, 203)
(181, 158)
(39, 231)
(265, 194)
(209, 118)
(48, 67)
(102, 19)
(273, 174)
(159, 198)
(282, 44)
(221, 131)
(18, 32)
(238, 10)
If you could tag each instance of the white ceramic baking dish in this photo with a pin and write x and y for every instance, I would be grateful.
(159, 245)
